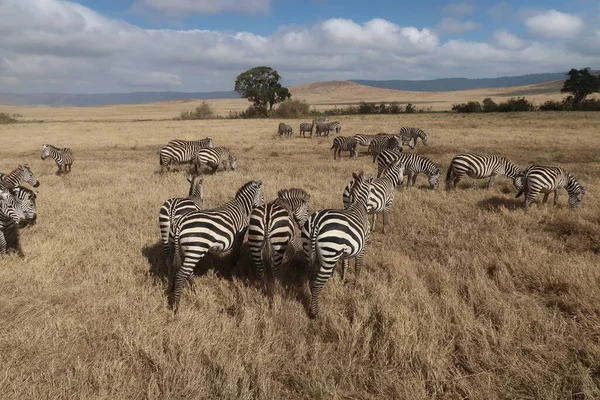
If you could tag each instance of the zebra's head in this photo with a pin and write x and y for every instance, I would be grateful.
(45, 151)
(360, 189)
(424, 139)
(8, 211)
(576, 192)
(208, 142)
(232, 162)
(28, 176)
(25, 200)
(434, 179)
(196, 186)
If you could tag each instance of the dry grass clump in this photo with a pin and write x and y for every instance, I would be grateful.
(467, 296)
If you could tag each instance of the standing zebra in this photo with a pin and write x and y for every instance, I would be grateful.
(480, 166)
(179, 151)
(21, 174)
(174, 208)
(404, 140)
(382, 143)
(272, 228)
(382, 192)
(330, 234)
(25, 204)
(63, 157)
(9, 219)
(543, 179)
(215, 156)
(322, 129)
(334, 126)
(343, 143)
(200, 232)
(414, 133)
(284, 129)
(306, 127)
(414, 164)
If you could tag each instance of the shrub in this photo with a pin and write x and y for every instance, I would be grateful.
(489, 105)
(394, 108)
(410, 109)
(292, 109)
(553, 105)
(205, 111)
(255, 111)
(6, 119)
(516, 105)
(366, 108)
(590, 105)
(470, 107)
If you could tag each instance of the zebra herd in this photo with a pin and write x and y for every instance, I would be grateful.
(18, 203)
(321, 128)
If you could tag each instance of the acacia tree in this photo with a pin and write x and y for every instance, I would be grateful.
(261, 86)
(580, 84)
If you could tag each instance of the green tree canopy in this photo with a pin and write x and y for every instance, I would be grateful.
(580, 84)
(261, 86)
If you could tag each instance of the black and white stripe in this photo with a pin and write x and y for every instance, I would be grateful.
(414, 164)
(381, 143)
(20, 175)
(25, 204)
(216, 231)
(413, 133)
(62, 156)
(214, 157)
(545, 179)
(9, 219)
(273, 227)
(343, 143)
(284, 129)
(174, 208)
(179, 151)
(330, 235)
(306, 127)
(480, 166)
(382, 192)
(322, 129)
(335, 126)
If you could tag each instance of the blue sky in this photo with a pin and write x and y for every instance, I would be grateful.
(201, 45)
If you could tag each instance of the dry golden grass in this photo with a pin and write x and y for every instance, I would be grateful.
(466, 297)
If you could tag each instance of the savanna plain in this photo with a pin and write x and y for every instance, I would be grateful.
(467, 296)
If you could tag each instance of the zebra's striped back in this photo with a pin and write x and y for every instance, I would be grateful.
(343, 143)
(382, 143)
(272, 228)
(179, 151)
(21, 174)
(218, 230)
(546, 179)
(414, 164)
(206, 142)
(480, 166)
(330, 235)
(215, 156)
(363, 140)
(414, 133)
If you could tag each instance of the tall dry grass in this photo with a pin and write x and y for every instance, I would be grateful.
(467, 296)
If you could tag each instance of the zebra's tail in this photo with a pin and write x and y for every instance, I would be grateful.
(176, 265)
(267, 249)
(449, 172)
(313, 267)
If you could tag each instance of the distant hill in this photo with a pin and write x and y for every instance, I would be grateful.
(452, 84)
(102, 99)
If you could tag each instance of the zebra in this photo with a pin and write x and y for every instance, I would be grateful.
(288, 131)
(9, 220)
(544, 179)
(414, 133)
(382, 192)
(21, 174)
(404, 140)
(306, 127)
(62, 156)
(480, 166)
(413, 165)
(181, 151)
(322, 129)
(272, 228)
(218, 230)
(174, 208)
(25, 204)
(331, 234)
(334, 126)
(284, 129)
(382, 143)
(215, 156)
(343, 143)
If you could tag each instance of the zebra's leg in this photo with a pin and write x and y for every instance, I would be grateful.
(359, 262)
(491, 182)
(317, 283)
(555, 196)
(181, 278)
(530, 197)
(414, 178)
(385, 219)
(277, 260)
(237, 247)
(373, 219)
(546, 198)
(2, 243)
(344, 268)
(256, 250)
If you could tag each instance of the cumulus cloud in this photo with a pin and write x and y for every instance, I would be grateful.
(453, 25)
(180, 8)
(555, 24)
(459, 8)
(55, 45)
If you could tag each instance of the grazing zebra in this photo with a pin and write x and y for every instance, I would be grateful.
(9, 219)
(179, 151)
(306, 127)
(24, 204)
(272, 228)
(288, 131)
(21, 174)
(480, 166)
(334, 126)
(414, 133)
(363, 140)
(215, 156)
(63, 157)
(382, 192)
(382, 143)
(174, 208)
(322, 129)
(543, 179)
(330, 234)
(414, 164)
(200, 232)
(284, 129)
(343, 143)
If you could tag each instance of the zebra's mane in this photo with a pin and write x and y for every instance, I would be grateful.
(293, 193)
(390, 166)
(246, 186)
(30, 193)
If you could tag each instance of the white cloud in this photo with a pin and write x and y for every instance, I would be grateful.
(459, 8)
(55, 45)
(555, 24)
(452, 25)
(180, 8)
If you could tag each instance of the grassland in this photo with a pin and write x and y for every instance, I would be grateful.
(467, 296)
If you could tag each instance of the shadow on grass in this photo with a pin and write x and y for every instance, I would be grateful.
(496, 202)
